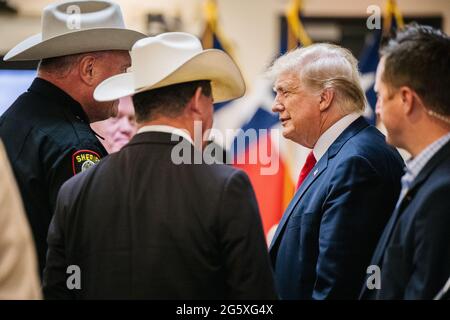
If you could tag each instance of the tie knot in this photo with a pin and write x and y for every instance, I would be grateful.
(310, 160)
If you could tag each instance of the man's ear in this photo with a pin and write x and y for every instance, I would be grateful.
(86, 70)
(326, 97)
(408, 99)
(194, 103)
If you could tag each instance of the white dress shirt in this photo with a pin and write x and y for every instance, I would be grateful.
(329, 136)
(167, 129)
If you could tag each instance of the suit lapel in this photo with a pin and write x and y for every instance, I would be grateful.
(378, 255)
(320, 167)
(440, 156)
(312, 176)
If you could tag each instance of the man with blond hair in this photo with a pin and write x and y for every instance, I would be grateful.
(348, 185)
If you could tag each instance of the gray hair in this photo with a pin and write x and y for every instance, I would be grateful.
(61, 66)
(321, 66)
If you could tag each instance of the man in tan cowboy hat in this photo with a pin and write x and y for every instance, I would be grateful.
(46, 130)
(139, 225)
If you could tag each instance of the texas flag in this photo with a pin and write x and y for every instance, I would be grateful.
(251, 133)
(368, 61)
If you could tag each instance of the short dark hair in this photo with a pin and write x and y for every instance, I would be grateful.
(169, 101)
(419, 57)
(59, 65)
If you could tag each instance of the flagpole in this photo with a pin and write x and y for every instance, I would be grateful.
(295, 25)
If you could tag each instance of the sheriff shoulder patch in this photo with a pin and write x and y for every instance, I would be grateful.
(83, 160)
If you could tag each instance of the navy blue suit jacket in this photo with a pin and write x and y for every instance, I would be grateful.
(414, 250)
(327, 234)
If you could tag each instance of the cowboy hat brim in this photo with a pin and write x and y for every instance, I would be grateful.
(226, 80)
(97, 39)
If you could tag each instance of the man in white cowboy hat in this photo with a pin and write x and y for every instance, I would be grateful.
(46, 130)
(143, 226)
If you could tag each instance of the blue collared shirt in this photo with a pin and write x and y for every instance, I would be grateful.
(415, 165)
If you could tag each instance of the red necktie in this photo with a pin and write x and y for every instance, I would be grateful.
(307, 167)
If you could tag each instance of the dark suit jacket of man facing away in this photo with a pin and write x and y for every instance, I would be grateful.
(140, 226)
(415, 244)
(329, 231)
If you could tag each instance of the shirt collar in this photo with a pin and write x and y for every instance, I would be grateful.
(52, 92)
(167, 129)
(416, 164)
(332, 133)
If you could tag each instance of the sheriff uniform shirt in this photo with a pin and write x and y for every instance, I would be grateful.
(48, 140)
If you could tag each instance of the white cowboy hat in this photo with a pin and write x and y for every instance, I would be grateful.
(171, 58)
(75, 27)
